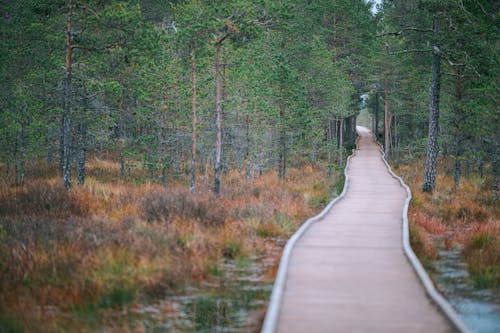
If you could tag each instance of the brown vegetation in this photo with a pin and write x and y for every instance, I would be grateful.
(107, 244)
(465, 215)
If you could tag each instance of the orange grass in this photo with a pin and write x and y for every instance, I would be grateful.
(463, 216)
(110, 243)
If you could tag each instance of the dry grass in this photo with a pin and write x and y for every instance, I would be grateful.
(109, 243)
(456, 216)
(482, 252)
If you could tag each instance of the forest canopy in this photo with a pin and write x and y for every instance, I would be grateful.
(173, 87)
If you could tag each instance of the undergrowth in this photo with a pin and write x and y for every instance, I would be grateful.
(69, 257)
(451, 216)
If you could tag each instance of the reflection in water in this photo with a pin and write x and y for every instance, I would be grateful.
(232, 302)
(479, 309)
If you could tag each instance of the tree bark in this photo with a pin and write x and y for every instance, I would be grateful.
(432, 143)
(192, 174)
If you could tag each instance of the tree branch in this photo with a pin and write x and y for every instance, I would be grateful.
(222, 38)
(400, 32)
(107, 47)
(411, 51)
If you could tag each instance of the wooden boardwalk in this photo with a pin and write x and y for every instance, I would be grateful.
(348, 273)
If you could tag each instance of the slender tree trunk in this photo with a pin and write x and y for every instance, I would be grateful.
(341, 142)
(50, 153)
(66, 133)
(164, 164)
(337, 131)
(218, 122)
(335, 38)
(375, 117)
(329, 145)
(20, 159)
(432, 144)
(67, 96)
(395, 151)
(387, 121)
(121, 131)
(496, 173)
(82, 144)
(247, 146)
(193, 122)
(282, 145)
(457, 163)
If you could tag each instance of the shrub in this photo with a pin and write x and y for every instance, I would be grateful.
(42, 198)
(269, 230)
(163, 206)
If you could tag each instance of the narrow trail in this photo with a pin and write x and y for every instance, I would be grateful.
(348, 273)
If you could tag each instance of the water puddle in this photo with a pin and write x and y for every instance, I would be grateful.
(479, 309)
(232, 302)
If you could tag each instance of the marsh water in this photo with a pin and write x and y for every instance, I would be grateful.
(233, 301)
(479, 309)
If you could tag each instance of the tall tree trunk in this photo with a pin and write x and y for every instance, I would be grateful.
(496, 171)
(282, 145)
(432, 143)
(341, 142)
(20, 158)
(329, 139)
(395, 150)
(67, 96)
(335, 39)
(218, 122)
(247, 146)
(457, 163)
(337, 127)
(121, 130)
(375, 117)
(82, 146)
(193, 122)
(162, 140)
(387, 121)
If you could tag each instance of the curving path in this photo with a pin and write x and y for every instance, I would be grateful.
(348, 273)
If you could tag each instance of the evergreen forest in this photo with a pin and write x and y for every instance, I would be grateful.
(149, 148)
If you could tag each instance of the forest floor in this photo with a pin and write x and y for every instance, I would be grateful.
(463, 217)
(76, 260)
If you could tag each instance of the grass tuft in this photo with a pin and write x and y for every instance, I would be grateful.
(482, 252)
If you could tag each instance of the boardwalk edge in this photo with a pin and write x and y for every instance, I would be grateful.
(273, 310)
(426, 281)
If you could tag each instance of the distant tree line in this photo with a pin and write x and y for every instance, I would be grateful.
(177, 87)
(201, 87)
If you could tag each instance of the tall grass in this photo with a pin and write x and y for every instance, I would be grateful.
(69, 256)
(451, 216)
